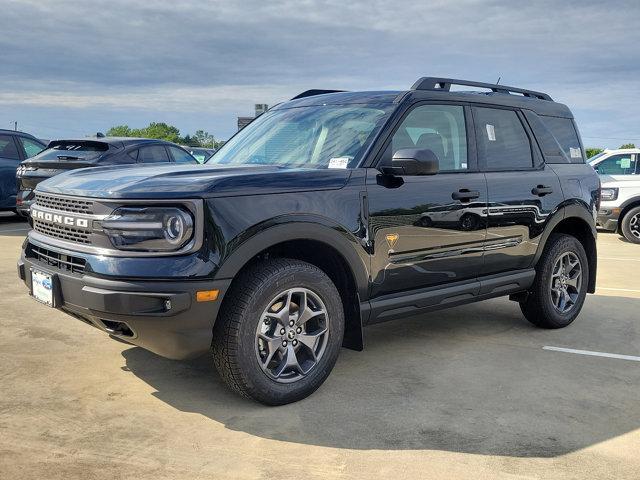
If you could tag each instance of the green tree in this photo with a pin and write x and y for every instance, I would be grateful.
(162, 131)
(593, 151)
(119, 131)
(628, 145)
(204, 139)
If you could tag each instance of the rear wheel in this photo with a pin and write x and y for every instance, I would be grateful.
(279, 331)
(560, 287)
(631, 225)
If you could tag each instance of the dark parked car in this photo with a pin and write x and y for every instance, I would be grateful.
(200, 153)
(325, 214)
(64, 155)
(14, 148)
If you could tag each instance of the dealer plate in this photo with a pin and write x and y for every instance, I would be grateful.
(42, 287)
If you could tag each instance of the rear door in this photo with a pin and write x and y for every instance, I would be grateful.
(9, 160)
(428, 230)
(522, 190)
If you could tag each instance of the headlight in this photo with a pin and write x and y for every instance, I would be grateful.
(149, 229)
(609, 194)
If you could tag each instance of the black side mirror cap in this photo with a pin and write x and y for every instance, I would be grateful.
(413, 161)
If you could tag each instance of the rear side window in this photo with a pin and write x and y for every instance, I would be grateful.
(617, 165)
(180, 156)
(8, 148)
(503, 143)
(154, 154)
(565, 132)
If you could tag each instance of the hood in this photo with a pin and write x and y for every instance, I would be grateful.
(160, 181)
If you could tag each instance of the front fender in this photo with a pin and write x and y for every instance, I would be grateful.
(267, 234)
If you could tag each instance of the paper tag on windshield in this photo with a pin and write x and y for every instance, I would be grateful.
(575, 152)
(339, 162)
(625, 162)
(491, 133)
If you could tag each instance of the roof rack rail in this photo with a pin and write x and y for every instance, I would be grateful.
(435, 83)
(313, 92)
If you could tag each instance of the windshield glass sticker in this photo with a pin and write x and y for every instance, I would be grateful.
(491, 133)
(575, 152)
(339, 162)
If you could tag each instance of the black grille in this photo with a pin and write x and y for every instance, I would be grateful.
(65, 233)
(57, 260)
(64, 204)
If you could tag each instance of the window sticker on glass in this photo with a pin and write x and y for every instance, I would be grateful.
(625, 162)
(575, 152)
(339, 162)
(491, 133)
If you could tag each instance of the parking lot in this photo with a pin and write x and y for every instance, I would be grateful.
(470, 392)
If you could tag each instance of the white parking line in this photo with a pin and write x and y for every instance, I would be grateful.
(618, 289)
(621, 259)
(593, 354)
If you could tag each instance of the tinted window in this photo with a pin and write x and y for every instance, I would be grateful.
(617, 165)
(8, 148)
(565, 132)
(154, 154)
(439, 128)
(30, 147)
(503, 143)
(180, 156)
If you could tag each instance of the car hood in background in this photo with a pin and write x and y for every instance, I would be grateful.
(190, 181)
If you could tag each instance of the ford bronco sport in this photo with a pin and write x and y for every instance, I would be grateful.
(332, 211)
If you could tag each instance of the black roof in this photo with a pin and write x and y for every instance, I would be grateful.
(433, 88)
(5, 131)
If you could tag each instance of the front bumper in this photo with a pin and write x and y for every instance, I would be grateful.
(607, 218)
(161, 316)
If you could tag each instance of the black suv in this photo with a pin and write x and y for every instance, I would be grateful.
(329, 212)
(14, 147)
(64, 155)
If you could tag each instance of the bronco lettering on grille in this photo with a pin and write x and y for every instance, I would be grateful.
(64, 220)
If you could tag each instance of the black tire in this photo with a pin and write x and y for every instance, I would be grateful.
(539, 308)
(234, 335)
(631, 225)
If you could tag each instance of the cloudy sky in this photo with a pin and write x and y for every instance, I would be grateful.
(70, 68)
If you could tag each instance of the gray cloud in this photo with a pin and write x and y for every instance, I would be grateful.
(191, 56)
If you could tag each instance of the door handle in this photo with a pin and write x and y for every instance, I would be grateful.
(541, 190)
(464, 194)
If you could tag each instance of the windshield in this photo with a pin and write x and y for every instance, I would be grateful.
(324, 136)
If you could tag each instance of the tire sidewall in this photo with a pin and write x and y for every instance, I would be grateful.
(566, 244)
(257, 381)
(626, 225)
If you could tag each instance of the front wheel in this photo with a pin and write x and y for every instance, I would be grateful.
(279, 331)
(560, 287)
(631, 225)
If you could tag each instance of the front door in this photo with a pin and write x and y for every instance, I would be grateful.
(427, 230)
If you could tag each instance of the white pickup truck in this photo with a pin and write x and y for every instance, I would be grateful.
(619, 172)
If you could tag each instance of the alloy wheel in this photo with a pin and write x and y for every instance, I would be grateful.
(292, 335)
(566, 282)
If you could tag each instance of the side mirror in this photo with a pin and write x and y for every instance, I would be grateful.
(414, 161)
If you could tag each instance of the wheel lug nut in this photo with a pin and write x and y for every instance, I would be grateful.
(294, 343)
(299, 330)
(284, 343)
(291, 323)
(267, 321)
(282, 331)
